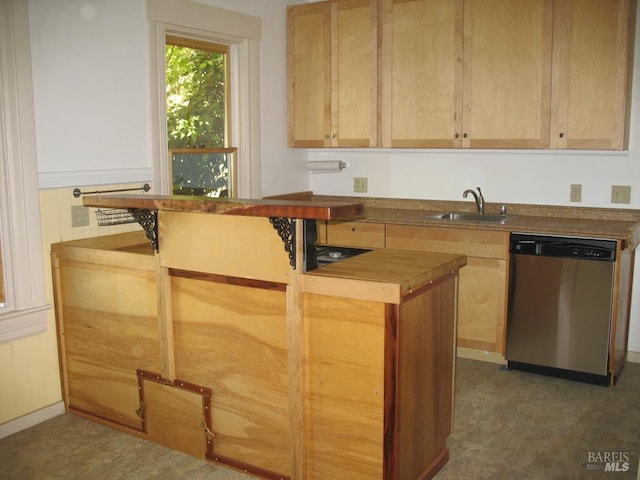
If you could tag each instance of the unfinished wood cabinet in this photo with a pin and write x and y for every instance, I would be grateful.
(379, 363)
(332, 74)
(506, 73)
(592, 69)
(421, 73)
(107, 318)
(466, 73)
(482, 299)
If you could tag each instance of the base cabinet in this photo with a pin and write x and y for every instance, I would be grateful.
(483, 281)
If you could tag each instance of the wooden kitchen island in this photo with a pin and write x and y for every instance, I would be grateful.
(204, 334)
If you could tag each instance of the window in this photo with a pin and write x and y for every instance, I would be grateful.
(240, 34)
(202, 160)
(23, 306)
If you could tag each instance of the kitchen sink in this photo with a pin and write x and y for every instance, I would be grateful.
(469, 217)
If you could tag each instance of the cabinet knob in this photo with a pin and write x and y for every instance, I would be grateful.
(456, 135)
(464, 135)
(561, 135)
(353, 229)
(326, 136)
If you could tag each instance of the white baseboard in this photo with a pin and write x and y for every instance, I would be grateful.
(39, 416)
(481, 355)
(633, 357)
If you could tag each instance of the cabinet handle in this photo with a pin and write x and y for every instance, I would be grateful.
(456, 135)
(464, 135)
(561, 135)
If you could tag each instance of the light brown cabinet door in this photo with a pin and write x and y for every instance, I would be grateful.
(309, 95)
(507, 73)
(591, 74)
(421, 73)
(482, 291)
(333, 74)
(355, 234)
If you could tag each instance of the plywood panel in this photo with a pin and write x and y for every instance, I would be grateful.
(510, 109)
(355, 234)
(483, 304)
(421, 73)
(355, 74)
(471, 242)
(592, 56)
(233, 339)
(108, 323)
(344, 387)
(309, 77)
(247, 247)
(426, 344)
(175, 417)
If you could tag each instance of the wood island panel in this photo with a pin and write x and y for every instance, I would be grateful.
(344, 387)
(243, 247)
(108, 327)
(379, 383)
(233, 339)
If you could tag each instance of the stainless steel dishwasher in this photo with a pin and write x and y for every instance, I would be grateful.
(560, 305)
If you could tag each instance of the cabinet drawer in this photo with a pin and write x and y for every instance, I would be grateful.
(356, 234)
(473, 243)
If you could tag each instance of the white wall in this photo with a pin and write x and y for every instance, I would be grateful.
(90, 68)
(537, 177)
(90, 88)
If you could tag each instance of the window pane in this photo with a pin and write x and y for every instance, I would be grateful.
(206, 174)
(196, 97)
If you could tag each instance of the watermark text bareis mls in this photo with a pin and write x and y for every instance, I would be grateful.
(615, 461)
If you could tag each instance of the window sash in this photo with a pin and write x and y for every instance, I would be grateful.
(242, 34)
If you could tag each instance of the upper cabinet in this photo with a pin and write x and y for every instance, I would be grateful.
(517, 74)
(421, 73)
(592, 70)
(470, 74)
(506, 73)
(332, 74)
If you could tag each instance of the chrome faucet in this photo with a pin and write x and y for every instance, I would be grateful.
(478, 198)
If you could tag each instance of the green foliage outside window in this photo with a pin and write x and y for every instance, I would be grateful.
(196, 120)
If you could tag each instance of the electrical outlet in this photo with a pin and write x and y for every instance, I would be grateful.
(360, 184)
(79, 216)
(620, 194)
(575, 194)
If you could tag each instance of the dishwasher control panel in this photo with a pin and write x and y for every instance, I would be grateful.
(549, 246)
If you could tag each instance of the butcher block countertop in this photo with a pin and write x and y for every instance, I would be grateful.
(617, 224)
(382, 275)
(326, 209)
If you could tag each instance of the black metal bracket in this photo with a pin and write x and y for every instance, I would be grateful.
(286, 228)
(148, 220)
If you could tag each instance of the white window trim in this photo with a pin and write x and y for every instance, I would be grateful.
(26, 308)
(242, 33)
